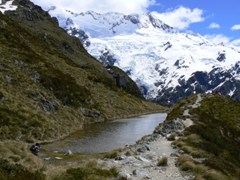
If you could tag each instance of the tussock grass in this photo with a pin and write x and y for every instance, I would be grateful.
(17, 162)
(162, 161)
(200, 171)
(16, 171)
(18, 152)
(214, 137)
(112, 155)
(91, 170)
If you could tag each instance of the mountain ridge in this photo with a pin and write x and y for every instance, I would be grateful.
(161, 60)
(207, 126)
(50, 85)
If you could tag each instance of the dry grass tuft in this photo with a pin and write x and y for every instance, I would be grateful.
(163, 161)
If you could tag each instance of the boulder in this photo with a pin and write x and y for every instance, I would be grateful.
(68, 153)
(143, 149)
(134, 172)
(124, 175)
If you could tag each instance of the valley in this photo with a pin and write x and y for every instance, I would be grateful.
(166, 64)
(114, 96)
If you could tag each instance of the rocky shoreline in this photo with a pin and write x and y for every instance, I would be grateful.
(141, 160)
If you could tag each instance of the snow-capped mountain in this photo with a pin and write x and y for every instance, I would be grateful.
(166, 64)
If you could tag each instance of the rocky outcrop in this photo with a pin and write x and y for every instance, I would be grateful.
(84, 38)
(221, 56)
(92, 115)
(124, 82)
(30, 12)
(47, 104)
(218, 80)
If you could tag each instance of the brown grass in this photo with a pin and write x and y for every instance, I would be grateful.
(162, 161)
(18, 152)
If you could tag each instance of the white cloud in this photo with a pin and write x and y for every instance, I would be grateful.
(236, 27)
(182, 17)
(101, 6)
(214, 26)
(218, 38)
(236, 42)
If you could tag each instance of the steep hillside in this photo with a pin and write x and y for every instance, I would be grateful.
(50, 86)
(167, 65)
(208, 127)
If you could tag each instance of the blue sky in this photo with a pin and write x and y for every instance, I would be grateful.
(210, 18)
(223, 13)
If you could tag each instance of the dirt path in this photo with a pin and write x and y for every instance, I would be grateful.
(143, 163)
(142, 159)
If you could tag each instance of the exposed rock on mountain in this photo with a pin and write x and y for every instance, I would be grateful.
(167, 65)
(123, 81)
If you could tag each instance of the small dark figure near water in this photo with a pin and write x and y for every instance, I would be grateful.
(35, 148)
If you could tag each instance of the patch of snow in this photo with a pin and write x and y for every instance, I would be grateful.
(187, 123)
(231, 93)
(156, 55)
(8, 6)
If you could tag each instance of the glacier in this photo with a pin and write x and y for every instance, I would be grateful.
(161, 60)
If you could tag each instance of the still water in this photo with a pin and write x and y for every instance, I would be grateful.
(103, 137)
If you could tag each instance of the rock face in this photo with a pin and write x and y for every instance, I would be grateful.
(46, 104)
(84, 38)
(217, 80)
(124, 82)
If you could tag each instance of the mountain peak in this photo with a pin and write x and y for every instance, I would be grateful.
(167, 65)
(109, 24)
(160, 24)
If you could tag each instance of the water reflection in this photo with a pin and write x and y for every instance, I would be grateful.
(103, 137)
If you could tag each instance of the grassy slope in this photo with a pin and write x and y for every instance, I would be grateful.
(50, 87)
(49, 82)
(215, 136)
